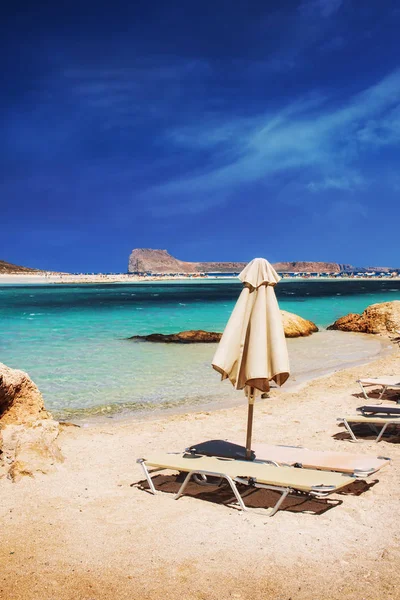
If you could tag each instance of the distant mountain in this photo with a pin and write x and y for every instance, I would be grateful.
(6, 267)
(148, 260)
(353, 269)
(306, 267)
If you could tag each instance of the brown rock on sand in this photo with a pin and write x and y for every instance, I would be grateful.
(382, 318)
(27, 432)
(296, 326)
(20, 399)
(30, 449)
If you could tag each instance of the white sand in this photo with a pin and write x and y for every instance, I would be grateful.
(46, 278)
(85, 532)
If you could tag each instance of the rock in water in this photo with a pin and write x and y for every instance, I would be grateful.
(296, 326)
(293, 325)
(27, 432)
(382, 318)
(183, 337)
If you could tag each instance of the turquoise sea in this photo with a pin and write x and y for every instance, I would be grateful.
(71, 339)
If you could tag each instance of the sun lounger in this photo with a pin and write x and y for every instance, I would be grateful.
(357, 465)
(373, 420)
(379, 409)
(390, 381)
(255, 474)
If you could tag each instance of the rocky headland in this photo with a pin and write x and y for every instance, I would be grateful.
(148, 260)
(382, 319)
(9, 268)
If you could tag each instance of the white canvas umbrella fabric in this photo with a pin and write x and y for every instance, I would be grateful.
(253, 350)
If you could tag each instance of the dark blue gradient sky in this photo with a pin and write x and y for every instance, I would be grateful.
(219, 130)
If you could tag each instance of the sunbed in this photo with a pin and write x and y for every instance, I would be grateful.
(357, 465)
(287, 481)
(379, 409)
(374, 420)
(389, 381)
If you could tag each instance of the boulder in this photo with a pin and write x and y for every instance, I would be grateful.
(29, 449)
(20, 399)
(183, 337)
(27, 432)
(382, 318)
(294, 326)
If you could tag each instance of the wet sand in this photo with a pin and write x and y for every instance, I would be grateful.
(88, 531)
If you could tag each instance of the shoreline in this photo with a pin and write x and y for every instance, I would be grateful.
(88, 530)
(115, 413)
(125, 278)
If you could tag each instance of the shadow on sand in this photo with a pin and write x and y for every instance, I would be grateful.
(253, 497)
(364, 432)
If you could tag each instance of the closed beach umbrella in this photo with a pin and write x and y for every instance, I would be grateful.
(253, 350)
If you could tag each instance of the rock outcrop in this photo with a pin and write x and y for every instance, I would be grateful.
(27, 432)
(183, 337)
(307, 267)
(29, 449)
(6, 267)
(382, 319)
(148, 260)
(293, 325)
(296, 326)
(20, 399)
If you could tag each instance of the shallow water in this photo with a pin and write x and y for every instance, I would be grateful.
(72, 339)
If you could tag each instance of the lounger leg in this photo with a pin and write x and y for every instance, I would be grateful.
(284, 491)
(384, 388)
(184, 484)
(147, 475)
(228, 479)
(236, 492)
(278, 504)
(349, 429)
(382, 432)
(363, 390)
(375, 429)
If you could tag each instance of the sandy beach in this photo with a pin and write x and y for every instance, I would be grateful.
(200, 243)
(88, 531)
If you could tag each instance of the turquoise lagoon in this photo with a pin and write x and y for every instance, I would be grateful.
(71, 339)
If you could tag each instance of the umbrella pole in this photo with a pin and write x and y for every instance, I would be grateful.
(249, 423)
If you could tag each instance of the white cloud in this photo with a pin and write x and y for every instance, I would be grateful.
(346, 183)
(307, 135)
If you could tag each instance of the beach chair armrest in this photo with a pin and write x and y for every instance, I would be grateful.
(322, 490)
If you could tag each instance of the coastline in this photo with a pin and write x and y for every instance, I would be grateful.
(73, 340)
(124, 413)
(90, 519)
(125, 278)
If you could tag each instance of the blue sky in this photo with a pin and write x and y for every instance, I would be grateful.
(217, 130)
